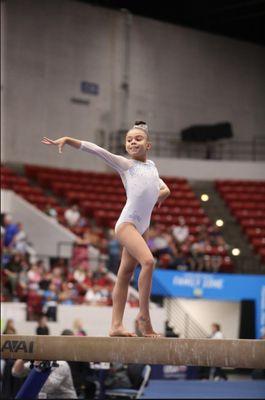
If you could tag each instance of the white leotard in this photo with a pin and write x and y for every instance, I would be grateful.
(141, 182)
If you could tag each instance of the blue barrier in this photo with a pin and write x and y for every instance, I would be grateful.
(35, 381)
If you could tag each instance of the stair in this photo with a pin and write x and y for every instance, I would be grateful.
(215, 208)
(181, 322)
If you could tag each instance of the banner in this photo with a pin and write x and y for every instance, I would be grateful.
(215, 286)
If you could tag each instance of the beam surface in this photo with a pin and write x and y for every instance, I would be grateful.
(240, 353)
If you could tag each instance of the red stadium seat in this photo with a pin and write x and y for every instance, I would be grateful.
(246, 201)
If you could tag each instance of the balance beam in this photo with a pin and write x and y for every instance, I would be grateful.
(240, 353)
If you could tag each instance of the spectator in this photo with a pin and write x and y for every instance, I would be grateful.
(78, 328)
(9, 328)
(45, 281)
(59, 384)
(175, 260)
(217, 373)
(161, 243)
(216, 331)
(83, 278)
(23, 282)
(57, 277)
(50, 302)
(72, 216)
(12, 271)
(181, 262)
(51, 211)
(85, 381)
(21, 245)
(169, 331)
(101, 276)
(93, 244)
(10, 229)
(181, 231)
(117, 377)
(10, 385)
(216, 263)
(198, 249)
(42, 328)
(94, 296)
(80, 254)
(67, 294)
(19, 241)
(35, 276)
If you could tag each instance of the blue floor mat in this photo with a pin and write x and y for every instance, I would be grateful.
(196, 389)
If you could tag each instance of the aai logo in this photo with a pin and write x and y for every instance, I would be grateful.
(17, 345)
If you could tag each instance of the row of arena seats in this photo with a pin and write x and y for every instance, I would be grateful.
(102, 195)
(23, 187)
(107, 198)
(246, 202)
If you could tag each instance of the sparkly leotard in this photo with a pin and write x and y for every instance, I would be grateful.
(141, 182)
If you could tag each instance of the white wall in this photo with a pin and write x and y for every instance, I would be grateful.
(43, 232)
(50, 47)
(96, 320)
(177, 76)
(181, 77)
(210, 169)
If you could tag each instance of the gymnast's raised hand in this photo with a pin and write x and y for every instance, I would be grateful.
(61, 142)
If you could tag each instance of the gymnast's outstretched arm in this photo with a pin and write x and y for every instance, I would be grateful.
(119, 163)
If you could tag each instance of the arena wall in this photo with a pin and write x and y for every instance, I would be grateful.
(169, 75)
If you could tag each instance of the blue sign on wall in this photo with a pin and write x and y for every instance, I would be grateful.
(226, 287)
(89, 88)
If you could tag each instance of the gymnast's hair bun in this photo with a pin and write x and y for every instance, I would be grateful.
(141, 125)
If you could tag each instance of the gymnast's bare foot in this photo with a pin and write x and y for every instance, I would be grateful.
(145, 328)
(121, 332)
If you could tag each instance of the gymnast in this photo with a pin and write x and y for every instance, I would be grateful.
(144, 189)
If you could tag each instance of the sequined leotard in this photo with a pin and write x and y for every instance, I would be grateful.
(141, 182)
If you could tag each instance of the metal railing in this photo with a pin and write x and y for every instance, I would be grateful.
(181, 321)
(169, 144)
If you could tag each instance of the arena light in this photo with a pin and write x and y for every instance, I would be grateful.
(235, 251)
(204, 197)
(219, 222)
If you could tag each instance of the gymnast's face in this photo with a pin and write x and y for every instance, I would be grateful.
(137, 144)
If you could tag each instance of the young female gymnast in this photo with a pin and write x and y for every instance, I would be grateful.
(144, 189)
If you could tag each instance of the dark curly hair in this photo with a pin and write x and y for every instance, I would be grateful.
(140, 123)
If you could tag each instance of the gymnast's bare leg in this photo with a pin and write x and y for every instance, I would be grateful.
(135, 251)
(120, 293)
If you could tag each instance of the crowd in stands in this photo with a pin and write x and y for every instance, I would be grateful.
(42, 285)
(174, 247)
(84, 278)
